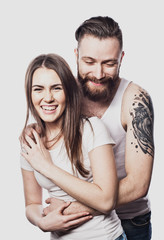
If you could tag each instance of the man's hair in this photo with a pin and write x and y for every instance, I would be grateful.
(100, 27)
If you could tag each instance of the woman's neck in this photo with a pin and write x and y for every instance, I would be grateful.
(53, 135)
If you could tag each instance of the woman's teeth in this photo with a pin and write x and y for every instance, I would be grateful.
(49, 108)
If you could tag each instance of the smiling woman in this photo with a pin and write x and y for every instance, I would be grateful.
(47, 88)
(48, 95)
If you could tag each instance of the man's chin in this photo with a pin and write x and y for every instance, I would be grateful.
(98, 91)
(96, 97)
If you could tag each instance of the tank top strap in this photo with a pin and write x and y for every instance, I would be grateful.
(117, 100)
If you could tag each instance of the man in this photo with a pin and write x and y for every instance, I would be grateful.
(126, 109)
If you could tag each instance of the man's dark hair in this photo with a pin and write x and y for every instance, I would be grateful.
(100, 27)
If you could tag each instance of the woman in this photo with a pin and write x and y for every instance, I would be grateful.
(66, 156)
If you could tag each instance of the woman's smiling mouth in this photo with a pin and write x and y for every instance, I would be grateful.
(49, 108)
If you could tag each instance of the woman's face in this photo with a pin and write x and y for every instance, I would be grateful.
(48, 95)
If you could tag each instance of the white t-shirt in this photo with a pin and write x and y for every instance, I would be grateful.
(100, 227)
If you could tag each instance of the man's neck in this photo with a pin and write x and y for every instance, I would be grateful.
(92, 108)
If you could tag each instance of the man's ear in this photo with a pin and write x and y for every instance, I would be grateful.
(122, 55)
(76, 54)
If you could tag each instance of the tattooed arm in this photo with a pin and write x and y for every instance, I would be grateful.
(137, 119)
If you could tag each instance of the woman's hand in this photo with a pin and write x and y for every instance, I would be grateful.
(56, 221)
(36, 154)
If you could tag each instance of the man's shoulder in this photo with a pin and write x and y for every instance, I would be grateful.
(133, 91)
(135, 97)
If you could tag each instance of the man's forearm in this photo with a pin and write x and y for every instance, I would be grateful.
(76, 207)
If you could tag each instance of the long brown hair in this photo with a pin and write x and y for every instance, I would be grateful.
(72, 122)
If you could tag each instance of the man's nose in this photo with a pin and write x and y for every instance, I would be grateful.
(98, 72)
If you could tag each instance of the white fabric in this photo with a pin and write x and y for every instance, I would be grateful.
(112, 121)
(100, 227)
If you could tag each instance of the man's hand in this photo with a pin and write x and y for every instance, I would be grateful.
(54, 203)
(73, 208)
(56, 221)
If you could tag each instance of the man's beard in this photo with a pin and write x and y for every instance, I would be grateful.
(102, 93)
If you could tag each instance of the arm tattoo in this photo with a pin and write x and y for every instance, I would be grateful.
(142, 122)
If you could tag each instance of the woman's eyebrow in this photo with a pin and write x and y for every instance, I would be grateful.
(54, 85)
(36, 85)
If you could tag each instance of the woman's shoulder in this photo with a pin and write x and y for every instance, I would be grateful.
(94, 126)
(93, 121)
(95, 133)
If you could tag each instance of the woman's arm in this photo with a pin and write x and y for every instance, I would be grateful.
(100, 195)
(53, 221)
(33, 197)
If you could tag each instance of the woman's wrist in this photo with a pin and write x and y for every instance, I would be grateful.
(49, 171)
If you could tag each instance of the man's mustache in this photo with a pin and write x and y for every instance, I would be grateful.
(98, 81)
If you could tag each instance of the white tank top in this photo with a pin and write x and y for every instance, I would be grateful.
(112, 120)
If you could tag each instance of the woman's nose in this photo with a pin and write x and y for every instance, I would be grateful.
(48, 97)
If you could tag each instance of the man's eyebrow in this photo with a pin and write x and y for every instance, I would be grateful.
(113, 60)
(88, 58)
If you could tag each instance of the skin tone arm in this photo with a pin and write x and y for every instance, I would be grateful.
(137, 119)
(101, 194)
(34, 210)
(74, 207)
(33, 197)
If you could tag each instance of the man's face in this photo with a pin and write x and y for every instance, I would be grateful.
(98, 64)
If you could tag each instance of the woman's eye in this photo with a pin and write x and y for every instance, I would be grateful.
(57, 88)
(37, 89)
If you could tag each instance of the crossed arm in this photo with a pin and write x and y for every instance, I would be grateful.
(53, 221)
(100, 195)
(137, 119)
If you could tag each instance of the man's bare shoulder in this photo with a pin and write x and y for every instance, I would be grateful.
(135, 99)
(132, 91)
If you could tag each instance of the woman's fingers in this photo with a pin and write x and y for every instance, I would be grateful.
(76, 217)
(75, 220)
(25, 151)
(36, 136)
(29, 141)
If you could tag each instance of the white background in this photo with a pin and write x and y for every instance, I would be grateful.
(29, 28)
